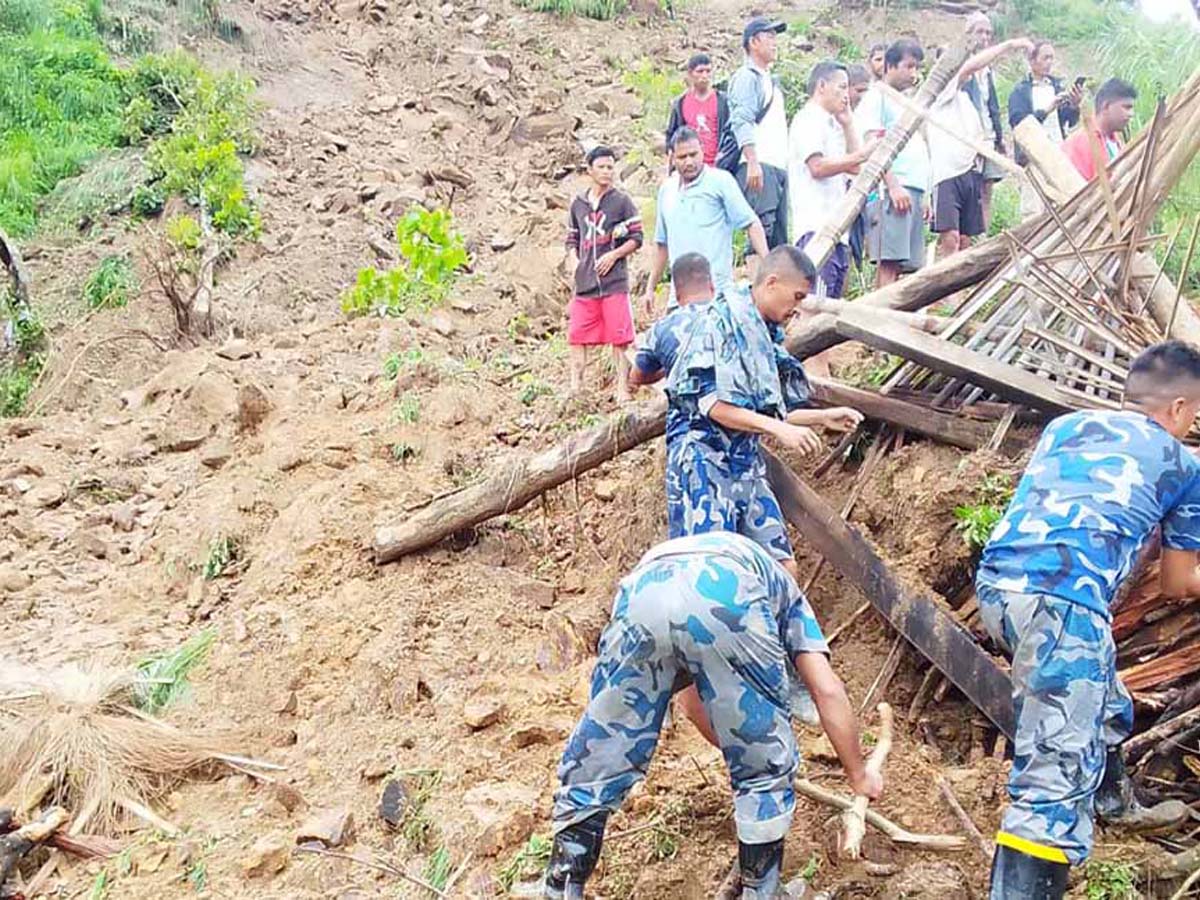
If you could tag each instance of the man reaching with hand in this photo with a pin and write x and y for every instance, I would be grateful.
(732, 382)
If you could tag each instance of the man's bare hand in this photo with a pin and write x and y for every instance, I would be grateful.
(842, 418)
(867, 784)
(798, 437)
(605, 263)
(901, 198)
(1024, 44)
(648, 303)
(754, 178)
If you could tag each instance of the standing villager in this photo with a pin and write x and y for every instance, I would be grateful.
(1097, 485)
(875, 63)
(603, 229)
(1114, 112)
(1041, 95)
(982, 89)
(702, 108)
(760, 128)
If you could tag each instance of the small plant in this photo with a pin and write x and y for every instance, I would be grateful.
(590, 9)
(147, 200)
(394, 363)
(437, 870)
(518, 327)
(110, 285)
(100, 886)
(532, 388)
(22, 330)
(417, 826)
(977, 521)
(1111, 881)
(222, 553)
(811, 868)
(656, 87)
(403, 452)
(433, 253)
(664, 843)
(197, 875)
(163, 679)
(527, 863)
(407, 409)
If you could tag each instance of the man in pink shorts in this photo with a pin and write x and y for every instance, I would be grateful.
(603, 229)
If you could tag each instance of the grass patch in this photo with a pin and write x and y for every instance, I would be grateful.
(1110, 881)
(1006, 207)
(110, 285)
(437, 869)
(407, 410)
(588, 9)
(417, 827)
(164, 679)
(223, 552)
(432, 255)
(22, 333)
(527, 863)
(395, 363)
(976, 521)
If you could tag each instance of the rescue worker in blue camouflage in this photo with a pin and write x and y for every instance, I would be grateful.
(1098, 483)
(733, 381)
(714, 610)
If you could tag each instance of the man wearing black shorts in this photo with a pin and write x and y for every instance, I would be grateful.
(957, 169)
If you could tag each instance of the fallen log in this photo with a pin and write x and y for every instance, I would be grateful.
(1139, 746)
(15, 846)
(953, 359)
(520, 481)
(926, 624)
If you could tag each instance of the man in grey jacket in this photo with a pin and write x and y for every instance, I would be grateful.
(759, 123)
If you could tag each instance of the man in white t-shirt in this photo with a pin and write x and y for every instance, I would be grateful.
(759, 123)
(823, 148)
(957, 170)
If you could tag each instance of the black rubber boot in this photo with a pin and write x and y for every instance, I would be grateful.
(761, 868)
(1019, 876)
(1117, 804)
(573, 858)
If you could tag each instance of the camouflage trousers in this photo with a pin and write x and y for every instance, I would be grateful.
(702, 497)
(1070, 708)
(665, 634)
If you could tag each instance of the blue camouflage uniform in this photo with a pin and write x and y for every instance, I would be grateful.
(716, 478)
(1098, 484)
(712, 609)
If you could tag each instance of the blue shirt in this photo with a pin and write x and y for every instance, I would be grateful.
(701, 218)
(733, 355)
(1097, 485)
(659, 351)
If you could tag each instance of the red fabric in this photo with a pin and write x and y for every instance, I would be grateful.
(1078, 148)
(600, 320)
(701, 117)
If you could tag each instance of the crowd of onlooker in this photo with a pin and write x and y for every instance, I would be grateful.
(735, 163)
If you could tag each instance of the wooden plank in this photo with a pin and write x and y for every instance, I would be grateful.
(954, 430)
(951, 359)
(927, 624)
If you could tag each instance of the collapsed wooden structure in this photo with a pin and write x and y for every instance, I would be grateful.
(1034, 322)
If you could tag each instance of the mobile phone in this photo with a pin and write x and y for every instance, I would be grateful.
(1080, 81)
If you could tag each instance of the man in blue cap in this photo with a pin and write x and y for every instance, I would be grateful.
(759, 126)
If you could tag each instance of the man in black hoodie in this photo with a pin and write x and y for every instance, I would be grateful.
(603, 229)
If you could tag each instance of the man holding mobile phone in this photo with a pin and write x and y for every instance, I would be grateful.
(1047, 99)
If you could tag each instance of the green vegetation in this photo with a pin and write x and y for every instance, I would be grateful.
(395, 363)
(63, 102)
(589, 9)
(1111, 881)
(433, 253)
(527, 863)
(110, 285)
(163, 679)
(976, 521)
(407, 409)
(417, 827)
(532, 387)
(403, 452)
(1006, 207)
(437, 870)
(100, 886)
(223, 552)
(19, 370)
(656, 87)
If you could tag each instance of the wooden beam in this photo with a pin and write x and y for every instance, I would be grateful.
(970, 434)
(953, 359)
(926, 623)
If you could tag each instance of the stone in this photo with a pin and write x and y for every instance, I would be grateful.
(235, 349)
(533, 129)
(392, 803)
(287, 796)
(442, 325)
(13, 580)
(499, 243)
(182, 438)
(532, 735)
(563, 646)
(46, 494)
(384, 103)
(605, 489)
(269, 856)
(482, 711)
(92, 544)
(505, 810)
(540, 592)
(333, 827)
(123, 516)
(253, 405)
(216, 454)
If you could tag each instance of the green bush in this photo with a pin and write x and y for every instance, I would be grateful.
(1006, 207)
(656, 87)
(433, 253)
(23, 330)
(110, 285)
(590, 9)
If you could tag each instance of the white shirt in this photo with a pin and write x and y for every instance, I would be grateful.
(814, 132)
(955, 110)
(1042, 96)
(771, 134)
(877, 112)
